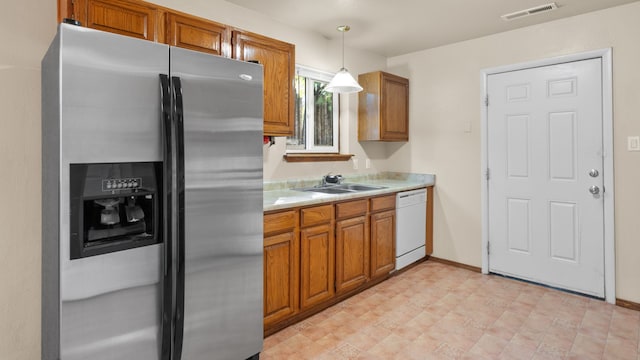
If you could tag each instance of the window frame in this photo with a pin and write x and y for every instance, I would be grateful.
(310, 147)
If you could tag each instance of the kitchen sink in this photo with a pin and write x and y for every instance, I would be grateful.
(341, 188)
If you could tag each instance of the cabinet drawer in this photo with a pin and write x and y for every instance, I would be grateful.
(351, 209)
(280, 221)
(383, 203)
(316, 215)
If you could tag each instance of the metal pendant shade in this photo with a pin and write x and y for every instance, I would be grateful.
(343, 82)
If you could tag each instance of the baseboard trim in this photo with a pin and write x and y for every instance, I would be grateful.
(456, 264)
(628, 304)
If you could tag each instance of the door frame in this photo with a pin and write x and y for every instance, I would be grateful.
(607, 143)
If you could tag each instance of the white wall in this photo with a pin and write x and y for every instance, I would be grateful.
(445, 100)
(26, 28)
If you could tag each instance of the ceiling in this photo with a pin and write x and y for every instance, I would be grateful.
(396, 27)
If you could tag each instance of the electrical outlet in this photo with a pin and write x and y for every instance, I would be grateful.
(633, 143)
(355, 163)
(367, 163)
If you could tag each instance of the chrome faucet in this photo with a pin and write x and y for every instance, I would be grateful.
(331, 179)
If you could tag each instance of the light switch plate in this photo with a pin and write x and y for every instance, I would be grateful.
(633, 143)
(355, 163)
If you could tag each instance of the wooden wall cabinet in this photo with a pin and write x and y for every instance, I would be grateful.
(352, 245)
(383, 107)
(152, 22)
(197, 34)
(278, 59)
(317, 262)
(281, 266)
(383, 232)
(134, 19)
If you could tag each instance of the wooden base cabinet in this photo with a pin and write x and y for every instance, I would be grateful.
(352, 245)
(383, 231)
(319, 255)
(317, 262)
(281, 266)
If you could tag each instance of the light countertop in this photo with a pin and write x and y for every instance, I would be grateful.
(279, 194)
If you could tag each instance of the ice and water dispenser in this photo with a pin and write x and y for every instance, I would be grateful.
(114, 207)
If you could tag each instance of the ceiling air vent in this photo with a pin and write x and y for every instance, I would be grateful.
(529, 12)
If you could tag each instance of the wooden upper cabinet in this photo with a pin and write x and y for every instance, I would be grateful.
(278, 60)
(197, 34)
(144, 20)
(383, 107)
(135, 19)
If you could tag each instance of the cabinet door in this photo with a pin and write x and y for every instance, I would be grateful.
(429, 240)
(317, 265)
(394, 108)
(383, 229)
(383, 107)
(278, 59)
(197, 34)
(135, 19)
(352, 253)
(281, 271)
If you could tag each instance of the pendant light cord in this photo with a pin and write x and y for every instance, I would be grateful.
(343, 31)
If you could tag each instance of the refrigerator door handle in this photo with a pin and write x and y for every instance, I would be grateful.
(167, 300)
(178, 116)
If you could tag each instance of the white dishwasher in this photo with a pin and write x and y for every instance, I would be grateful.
(411, 226)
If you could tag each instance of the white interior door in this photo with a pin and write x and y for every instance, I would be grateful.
(545, 158)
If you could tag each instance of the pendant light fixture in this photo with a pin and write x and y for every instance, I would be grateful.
(343, 82)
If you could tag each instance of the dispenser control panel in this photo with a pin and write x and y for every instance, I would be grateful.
(121, 184)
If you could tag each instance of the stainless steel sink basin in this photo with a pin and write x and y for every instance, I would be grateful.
(359, 187)
(341, 188)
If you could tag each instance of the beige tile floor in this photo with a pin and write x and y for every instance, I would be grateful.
(436, 311)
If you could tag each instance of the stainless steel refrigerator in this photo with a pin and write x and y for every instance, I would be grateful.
(152, 201)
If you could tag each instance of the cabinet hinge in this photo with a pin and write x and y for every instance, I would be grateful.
(73, 9)
(486, 100)
(487, 174)
(488, 248)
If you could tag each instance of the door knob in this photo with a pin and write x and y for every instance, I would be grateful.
(594, 173)
(594, 190)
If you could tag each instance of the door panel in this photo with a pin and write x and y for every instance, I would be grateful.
(108, 83)
(223, 205)
(544, 135)
(383, 252)
(352, 253)
(281, 269)
(317, 264)
(278, 59)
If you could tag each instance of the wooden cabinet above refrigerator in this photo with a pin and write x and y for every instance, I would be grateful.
(152, 22)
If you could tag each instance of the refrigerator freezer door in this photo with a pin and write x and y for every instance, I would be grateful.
(107, 110)
(222, 120)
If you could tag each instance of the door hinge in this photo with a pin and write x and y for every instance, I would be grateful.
(488, 248)
(486, 100)
(487, 174)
